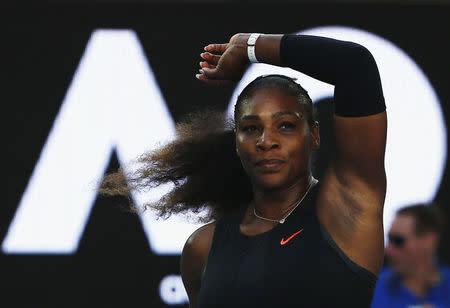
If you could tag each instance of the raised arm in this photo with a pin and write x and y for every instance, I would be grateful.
(351, 197)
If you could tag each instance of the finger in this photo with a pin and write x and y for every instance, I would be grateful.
(210, 73)
(211, 58)
(206, 64)
(216, 48)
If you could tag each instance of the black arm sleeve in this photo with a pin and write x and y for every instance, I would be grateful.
(348, 66)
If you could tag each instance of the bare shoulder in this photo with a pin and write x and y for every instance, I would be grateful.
(194, 258)
(199, 242)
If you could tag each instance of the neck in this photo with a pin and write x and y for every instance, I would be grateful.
(275, 204)
(422, 278)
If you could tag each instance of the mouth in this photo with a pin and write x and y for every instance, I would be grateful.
(269, 164)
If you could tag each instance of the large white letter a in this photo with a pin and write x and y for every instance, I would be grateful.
(112, 102)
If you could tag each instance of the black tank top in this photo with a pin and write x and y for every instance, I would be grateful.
(295, 264)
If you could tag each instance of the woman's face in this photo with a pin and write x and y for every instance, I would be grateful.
(274, 140)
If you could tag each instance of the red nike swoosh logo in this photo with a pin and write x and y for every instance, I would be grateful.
(283, 241)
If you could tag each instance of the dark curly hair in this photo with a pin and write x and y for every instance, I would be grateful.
(201, 162)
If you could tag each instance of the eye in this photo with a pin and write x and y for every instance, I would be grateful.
(249, 128)
(287, 126)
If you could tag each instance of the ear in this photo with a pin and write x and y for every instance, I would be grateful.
(315, 136)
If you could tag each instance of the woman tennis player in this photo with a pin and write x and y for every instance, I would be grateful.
(277, 237)
(297, 243)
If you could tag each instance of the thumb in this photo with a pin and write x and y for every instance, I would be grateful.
(211, 73)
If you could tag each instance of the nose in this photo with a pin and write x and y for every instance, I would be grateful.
(267, 141)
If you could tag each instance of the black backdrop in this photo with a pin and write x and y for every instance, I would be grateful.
(41, 48)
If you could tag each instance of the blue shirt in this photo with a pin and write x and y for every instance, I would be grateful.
(391, 293)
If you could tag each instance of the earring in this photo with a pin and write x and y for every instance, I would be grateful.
(237, 152)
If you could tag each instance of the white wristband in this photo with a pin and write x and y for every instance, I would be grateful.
(251, 47)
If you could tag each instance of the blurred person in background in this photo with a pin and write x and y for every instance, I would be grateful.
(414, 278)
